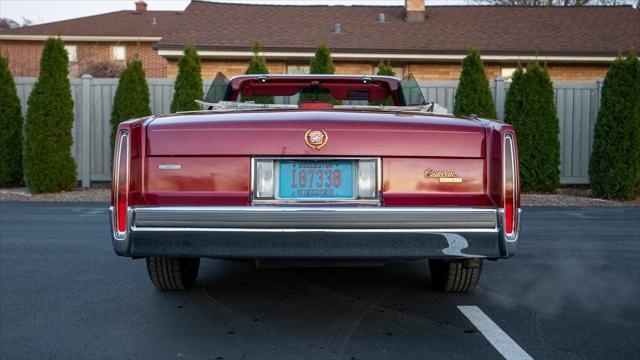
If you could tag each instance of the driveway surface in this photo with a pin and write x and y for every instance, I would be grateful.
(572, 291)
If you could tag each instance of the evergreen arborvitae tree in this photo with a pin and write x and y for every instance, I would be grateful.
(48, 164)
(321, 63)
(530, 108)
(614, 168)
(10, 129)
(257, 65)
(385, 69)
(132, 97)
(473, 95)
(188, 86)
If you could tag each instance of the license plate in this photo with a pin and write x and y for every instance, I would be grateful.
(316, 179)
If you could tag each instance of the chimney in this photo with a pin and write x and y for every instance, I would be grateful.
(141, 6)
(414, 10)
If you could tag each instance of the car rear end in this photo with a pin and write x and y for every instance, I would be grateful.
(316, 185)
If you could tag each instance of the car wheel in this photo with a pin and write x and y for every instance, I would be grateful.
(455, 275)
(173, 273)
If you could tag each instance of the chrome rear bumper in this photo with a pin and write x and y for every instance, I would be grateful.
(315, 232)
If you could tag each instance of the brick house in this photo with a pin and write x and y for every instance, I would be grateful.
(117, 37)
(576, 43)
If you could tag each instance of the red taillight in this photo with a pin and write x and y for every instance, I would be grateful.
(510, 185)
(508, 215)
(121, 183)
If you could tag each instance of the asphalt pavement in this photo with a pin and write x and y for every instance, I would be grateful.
(571, 292)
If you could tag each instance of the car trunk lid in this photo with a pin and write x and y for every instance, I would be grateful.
(282, 133)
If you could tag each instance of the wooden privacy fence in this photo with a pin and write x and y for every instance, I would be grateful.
(577, 105)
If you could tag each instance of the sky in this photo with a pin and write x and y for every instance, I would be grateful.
(43, 11)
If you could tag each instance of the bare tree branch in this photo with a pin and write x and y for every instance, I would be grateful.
(26, 22)
(6, 23)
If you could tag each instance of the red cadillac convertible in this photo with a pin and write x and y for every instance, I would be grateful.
(315, 167)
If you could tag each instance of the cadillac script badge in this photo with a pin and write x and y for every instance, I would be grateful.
(444, 176)
(316, 139)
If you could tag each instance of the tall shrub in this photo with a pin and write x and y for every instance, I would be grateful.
(321, 63)
(10, 129)
(48, 164)
(614, 169)
(385, 69)
(529, 107)
(188, 86)
(257, 65)
(132, 97)
(473, 95)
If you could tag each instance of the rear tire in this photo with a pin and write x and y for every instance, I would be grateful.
(455, 275)
(173, 273)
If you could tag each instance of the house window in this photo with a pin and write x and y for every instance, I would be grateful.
(397, 70)
(298, 69)
(119, 52)
(72, 52)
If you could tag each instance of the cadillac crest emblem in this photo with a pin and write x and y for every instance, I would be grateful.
(316, 139)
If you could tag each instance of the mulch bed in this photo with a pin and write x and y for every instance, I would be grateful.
(571, 196)
(76, 195)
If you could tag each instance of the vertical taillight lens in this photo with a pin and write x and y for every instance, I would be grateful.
(121, 183)
(264, 175)
(510, 185)
(367, 179)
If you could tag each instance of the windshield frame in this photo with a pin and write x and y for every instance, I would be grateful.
(235, 84)
(403, 92)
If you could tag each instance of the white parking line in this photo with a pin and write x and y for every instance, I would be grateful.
(498, 338)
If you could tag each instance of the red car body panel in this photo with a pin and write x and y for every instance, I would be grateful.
(203, 180)
(404, 183)
(215, 152)
(281, 133)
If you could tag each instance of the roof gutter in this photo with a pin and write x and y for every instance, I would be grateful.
(82, 38)
(224, 54)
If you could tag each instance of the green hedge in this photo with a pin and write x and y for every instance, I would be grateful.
(614, 169)
(473, 95)
(188, 86)
(530, 108)
(10, 129)
(132, 97)
(48, 164)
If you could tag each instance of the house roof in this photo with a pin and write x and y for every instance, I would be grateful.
(115, 24)
(577, 31)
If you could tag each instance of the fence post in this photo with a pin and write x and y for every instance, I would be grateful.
(500, 97)
(85, 118)
(600, 83)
